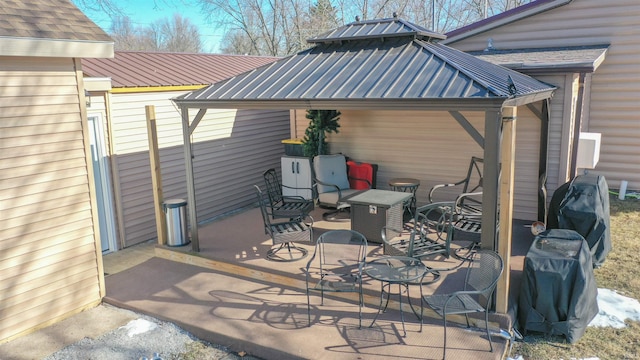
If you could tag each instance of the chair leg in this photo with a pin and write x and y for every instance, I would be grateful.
(486, 324)
(444, 347)
(308, 308)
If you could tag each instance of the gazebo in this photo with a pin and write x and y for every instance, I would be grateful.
(391, 64)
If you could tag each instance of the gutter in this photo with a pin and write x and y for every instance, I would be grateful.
(502, 19)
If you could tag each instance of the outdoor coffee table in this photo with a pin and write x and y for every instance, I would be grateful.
(372, 210)
(396, 270)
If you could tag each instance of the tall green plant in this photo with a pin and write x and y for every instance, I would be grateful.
(322, 122)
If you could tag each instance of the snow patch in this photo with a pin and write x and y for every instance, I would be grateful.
(614, 309)
(139, 326)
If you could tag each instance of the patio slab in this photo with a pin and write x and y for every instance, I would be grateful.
(229, 294)
(269, 320)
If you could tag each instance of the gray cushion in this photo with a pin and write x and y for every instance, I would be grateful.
(331, 169)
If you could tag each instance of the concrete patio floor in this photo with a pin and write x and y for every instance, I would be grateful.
(229, 294)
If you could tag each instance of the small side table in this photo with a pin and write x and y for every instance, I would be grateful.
(409, 185)
(396, 270)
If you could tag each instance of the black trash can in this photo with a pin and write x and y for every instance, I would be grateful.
(175, 211)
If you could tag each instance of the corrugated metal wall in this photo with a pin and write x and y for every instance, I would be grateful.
(615, 90)
(231, 150)
(48, 265)
(431, 147)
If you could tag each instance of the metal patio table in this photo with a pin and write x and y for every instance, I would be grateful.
(396, 270)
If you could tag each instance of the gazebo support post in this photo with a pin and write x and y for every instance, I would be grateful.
(505, 235)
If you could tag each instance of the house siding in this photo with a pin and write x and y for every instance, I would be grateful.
(615, 87)
(431, 147)
(48, 256)
(231, 149)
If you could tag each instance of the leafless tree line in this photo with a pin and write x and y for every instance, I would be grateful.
(175, 34)
(282, 27)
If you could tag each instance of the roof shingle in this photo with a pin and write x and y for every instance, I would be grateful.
(47, 19)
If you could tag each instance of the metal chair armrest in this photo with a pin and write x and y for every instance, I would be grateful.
(332, 185)
(360, 179)
(442, 186)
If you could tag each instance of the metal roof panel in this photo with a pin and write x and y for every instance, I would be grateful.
(144, 69)
(397, 68)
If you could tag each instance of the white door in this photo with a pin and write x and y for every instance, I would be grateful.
(102, 183)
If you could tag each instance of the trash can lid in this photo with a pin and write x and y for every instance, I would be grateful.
(174, 203)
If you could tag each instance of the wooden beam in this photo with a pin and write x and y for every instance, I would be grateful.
(507, 156)
(156, 176)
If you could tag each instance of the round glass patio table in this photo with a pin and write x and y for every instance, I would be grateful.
(396, 270)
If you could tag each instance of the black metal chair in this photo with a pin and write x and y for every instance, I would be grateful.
(429, 233)
(336, 266)
(466, 211)
(287, 207)
(285, 234)
(481, 279)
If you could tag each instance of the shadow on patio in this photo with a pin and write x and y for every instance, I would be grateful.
(229, 294)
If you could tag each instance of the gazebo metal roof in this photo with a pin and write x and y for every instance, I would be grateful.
(386, 63)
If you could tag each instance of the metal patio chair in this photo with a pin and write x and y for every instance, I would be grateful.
(481, 279)
(429, 233)
(332, 184)
(285, 234)
(288, 207)
(466, 212)
(336, 266)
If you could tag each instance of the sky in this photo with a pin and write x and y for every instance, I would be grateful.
(146, 12)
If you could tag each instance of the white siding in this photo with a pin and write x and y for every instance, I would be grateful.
(613, 107)
(432, 147)
(231, 149)
(48, 264)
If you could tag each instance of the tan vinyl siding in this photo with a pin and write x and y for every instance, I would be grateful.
(48, 265)
(432, 147)
(231, 149)
(615, 89)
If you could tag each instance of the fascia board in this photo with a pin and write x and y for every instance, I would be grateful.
(34, 47)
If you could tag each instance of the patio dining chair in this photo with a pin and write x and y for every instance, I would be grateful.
(336, 266)
(285, 234)
(429, 233)
(466, 212)
(332, 183)
(481, 279)
(289, 207)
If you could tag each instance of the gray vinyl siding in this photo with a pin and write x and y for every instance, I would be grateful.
(48, 264)
(432, 147)
(615, 89)
(231, 149)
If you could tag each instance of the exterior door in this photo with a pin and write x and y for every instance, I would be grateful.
(102, 183)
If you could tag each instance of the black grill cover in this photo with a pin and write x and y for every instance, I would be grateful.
(558, 294)
(583, 205)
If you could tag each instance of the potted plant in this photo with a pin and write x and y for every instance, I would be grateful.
(322, 122)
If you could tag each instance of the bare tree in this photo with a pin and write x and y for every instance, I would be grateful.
(178, 34)
(125, 35)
